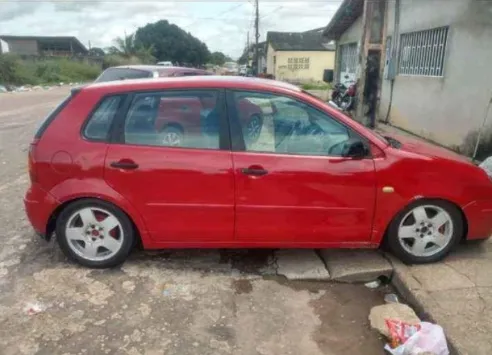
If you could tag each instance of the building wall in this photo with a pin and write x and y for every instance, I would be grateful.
(21, 46)
(353, 33)
(318, 62)
(448, 109)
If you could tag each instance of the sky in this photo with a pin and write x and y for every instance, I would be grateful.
(222, 25)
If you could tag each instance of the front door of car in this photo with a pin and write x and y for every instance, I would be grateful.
(294, 186)
(172, 161)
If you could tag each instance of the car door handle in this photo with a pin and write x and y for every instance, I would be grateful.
(254, 171)
(126, 165)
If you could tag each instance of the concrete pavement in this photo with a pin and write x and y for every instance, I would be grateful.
(456, 294)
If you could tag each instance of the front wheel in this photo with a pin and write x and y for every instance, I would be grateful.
(95, 233)
(425, 231)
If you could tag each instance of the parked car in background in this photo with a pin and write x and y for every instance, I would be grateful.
(165, 64)
(230, 68)
(126, 72)
(104, 176)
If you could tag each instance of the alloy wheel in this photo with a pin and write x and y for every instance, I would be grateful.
(253, 128)
(172, 139)
(94, 234)
(425, 230)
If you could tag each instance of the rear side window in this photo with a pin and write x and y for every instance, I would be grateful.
(113, 74)
(51, 117)
(99, 123)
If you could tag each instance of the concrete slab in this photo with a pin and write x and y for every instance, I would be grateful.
(355, 265)
(301, 264)
(451, 294)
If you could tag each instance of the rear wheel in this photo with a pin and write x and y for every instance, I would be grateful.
(425, 231)
(253, 128)
(95, 233)
(172, 136)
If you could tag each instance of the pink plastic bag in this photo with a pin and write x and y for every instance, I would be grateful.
(430, 338)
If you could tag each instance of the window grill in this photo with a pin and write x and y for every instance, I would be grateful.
(422, 53)
(348, 57)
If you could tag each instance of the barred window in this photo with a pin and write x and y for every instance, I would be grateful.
(422, 53)
(348, 57)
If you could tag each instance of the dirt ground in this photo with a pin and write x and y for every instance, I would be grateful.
(173, 302)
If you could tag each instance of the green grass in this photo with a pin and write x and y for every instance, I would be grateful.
(15, 71)
(316, 86)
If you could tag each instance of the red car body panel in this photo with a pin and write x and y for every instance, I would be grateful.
(304, 199)
(183, 197)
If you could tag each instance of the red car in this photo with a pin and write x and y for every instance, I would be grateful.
(103, 178)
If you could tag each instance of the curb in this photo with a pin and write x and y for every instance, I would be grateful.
(400, 282)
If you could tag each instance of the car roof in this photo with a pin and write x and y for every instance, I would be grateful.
(209, 81)
(153, 68)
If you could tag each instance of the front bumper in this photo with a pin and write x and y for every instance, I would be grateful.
(39, 206)
(479, 217)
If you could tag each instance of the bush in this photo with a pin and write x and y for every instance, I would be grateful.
(316, 86)
(114, 60)
(15, 71)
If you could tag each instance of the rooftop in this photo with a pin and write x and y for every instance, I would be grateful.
(345, 16)
(299, 41)
(78, 46)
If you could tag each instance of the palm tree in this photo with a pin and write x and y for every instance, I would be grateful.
(128, 47)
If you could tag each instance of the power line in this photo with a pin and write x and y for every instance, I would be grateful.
(219, 15)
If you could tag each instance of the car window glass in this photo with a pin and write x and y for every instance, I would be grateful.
(187, 120)
(112, 74)
(99, 123)
(279, 124)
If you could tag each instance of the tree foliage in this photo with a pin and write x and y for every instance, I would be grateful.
(218, 58)
(96, 52)
(128, 47)
(171, 43)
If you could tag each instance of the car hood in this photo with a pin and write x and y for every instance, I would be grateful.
(415, 145)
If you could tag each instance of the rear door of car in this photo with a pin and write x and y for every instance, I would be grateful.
(184, 192)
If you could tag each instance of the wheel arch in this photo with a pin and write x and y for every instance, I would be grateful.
(51, 223)
(429, 199)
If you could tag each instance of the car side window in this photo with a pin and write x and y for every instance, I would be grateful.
(174, 119)
(279, 124)
(99, 123)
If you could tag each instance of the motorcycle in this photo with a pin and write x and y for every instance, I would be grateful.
(343, 97)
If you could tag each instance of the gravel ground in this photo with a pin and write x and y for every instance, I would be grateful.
(173, 302)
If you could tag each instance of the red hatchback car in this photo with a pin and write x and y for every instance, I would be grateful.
(104, 178)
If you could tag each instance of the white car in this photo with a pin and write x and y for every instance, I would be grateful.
(165, 64)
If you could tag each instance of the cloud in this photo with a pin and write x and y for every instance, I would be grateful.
(222, 25)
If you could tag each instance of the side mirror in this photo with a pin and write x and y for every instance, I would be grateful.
(355, 148)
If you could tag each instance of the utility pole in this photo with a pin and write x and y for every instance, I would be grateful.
(247, 50)
(257, 36)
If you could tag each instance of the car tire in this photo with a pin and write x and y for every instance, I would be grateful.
(172, 136)
(82, 241)
(425, 231)
(253, 128)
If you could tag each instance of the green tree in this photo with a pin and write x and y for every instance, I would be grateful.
(128, 47)
(171, 43)
(219, 58)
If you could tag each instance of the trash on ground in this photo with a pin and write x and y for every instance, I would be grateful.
(391, 298)
(34, 308)
(487, 166)
(428, 339)
(397, 311)
(3, 88)
(373, 284)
